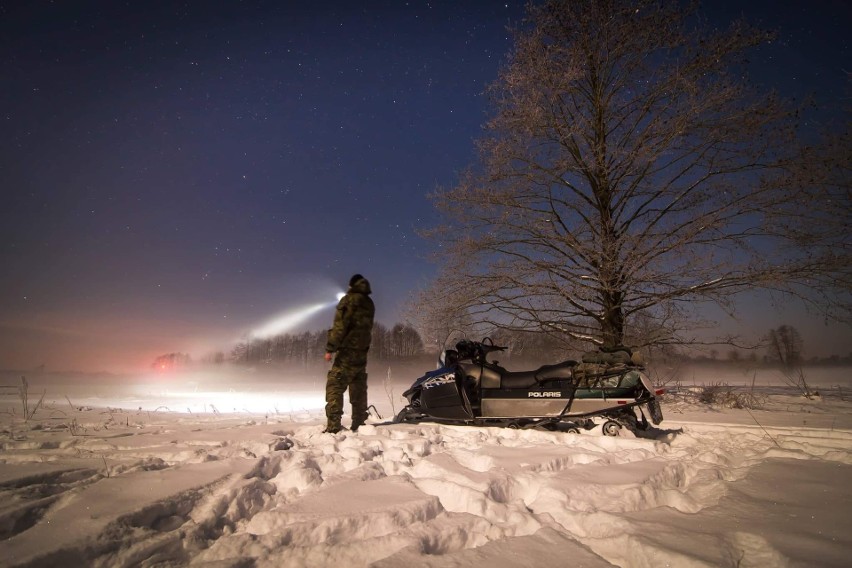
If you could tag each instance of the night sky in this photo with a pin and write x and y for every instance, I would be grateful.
(175, 174)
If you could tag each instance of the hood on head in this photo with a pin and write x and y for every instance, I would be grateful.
(359, 284)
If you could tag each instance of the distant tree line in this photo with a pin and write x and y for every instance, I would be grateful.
(782, 346)
(307, 348)
(752, 359)
(400, 341)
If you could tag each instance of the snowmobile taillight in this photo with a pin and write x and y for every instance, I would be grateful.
(621, 402)
(659, 392)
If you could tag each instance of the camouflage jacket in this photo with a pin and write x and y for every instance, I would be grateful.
(353, 321)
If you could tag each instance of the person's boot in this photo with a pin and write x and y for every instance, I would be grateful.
(332, 428)
(358, 420)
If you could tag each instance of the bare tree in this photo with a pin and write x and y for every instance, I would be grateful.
(629, 170)
(785, 345)
(441, 318)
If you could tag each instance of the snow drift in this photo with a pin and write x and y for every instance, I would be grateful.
(102, 485)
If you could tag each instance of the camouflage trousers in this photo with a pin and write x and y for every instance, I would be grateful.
(348, 371)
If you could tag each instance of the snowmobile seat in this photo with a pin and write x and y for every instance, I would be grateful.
(519, 380)
(528, 379)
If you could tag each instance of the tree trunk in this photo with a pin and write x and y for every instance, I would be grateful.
(612, 321)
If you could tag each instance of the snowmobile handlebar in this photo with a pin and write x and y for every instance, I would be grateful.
(476, 350)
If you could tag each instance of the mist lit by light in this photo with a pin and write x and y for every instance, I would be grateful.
(232, 401)
(257, 402)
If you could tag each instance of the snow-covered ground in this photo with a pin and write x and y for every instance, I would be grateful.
(174, 472)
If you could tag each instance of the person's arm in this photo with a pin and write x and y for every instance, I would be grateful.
(338, 329)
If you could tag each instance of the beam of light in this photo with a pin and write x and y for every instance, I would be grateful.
(288, 321)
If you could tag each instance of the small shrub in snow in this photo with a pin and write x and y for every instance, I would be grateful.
(723, 394)
(23, 393)
(714, 393)
(795, 377)
(388, 384)
(749, 400)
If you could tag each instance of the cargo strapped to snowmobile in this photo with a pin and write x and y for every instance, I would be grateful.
(607, 363)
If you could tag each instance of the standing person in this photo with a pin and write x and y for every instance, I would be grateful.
(349, 340)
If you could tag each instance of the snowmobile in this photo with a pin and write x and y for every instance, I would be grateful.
(567, 396)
